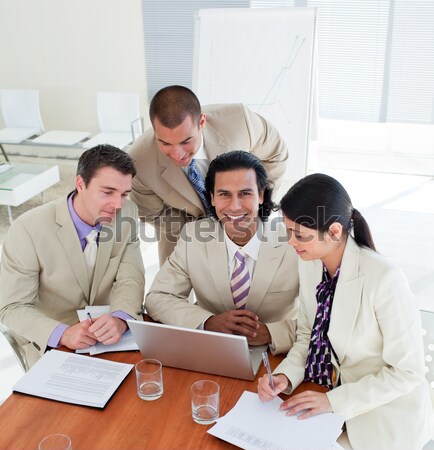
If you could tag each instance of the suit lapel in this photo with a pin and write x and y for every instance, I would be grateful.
(269, 259)
(346, 301)
(175, 177)
(218, 264)
(68, 238)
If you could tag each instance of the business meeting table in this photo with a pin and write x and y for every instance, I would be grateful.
(127, 422)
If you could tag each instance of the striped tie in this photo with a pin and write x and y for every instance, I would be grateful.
(240, 281)
(196, 180)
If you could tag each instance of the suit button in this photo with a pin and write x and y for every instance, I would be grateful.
(36, 346)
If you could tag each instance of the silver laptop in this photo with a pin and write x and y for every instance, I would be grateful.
(197, 350)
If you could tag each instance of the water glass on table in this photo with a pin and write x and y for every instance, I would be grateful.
(205, 401)
(149, 376)
(55, 442)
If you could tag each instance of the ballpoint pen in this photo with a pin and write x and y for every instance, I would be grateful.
(267, 366)
(90, 317)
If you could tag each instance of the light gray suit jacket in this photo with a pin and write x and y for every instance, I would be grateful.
(163, 193)
(376, 333)
(44, 278)
(199, 262)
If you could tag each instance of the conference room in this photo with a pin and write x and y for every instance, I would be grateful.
(347, 86)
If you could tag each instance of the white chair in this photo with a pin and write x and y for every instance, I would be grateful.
(428, 343)
(21, 114)
(118, 113)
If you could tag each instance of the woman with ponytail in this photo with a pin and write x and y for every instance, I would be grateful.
(358, 330)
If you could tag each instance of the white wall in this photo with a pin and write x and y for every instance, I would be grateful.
(69, 50)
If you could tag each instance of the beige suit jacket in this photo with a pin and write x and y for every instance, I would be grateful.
(199, 262)
(44, 278)
(163, 193)
(376, 334)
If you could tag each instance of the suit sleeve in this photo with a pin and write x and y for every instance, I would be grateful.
(129, 285)
(168, 222)
(167, 299)
(268, 146)
(402, 352)
(19, 281)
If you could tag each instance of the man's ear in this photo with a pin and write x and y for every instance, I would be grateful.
(261, 196)
(202, 121)
(212, 199)
(79, 183)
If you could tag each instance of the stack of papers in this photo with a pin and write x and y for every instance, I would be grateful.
(254, 425)
(71, 378)
(125, 343)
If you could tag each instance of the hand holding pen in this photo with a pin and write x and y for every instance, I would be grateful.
(269, 386)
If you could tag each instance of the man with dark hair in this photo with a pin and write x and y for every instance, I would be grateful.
(78, 251)
(173, 157)
(239, 266)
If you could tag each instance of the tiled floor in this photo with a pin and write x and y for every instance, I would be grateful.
(400, 210)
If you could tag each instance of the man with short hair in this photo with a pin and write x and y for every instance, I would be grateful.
(173, 157)
(50, 267)
(239, 266)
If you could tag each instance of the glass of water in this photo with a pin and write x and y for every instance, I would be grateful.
(149, 376)
(205, 401)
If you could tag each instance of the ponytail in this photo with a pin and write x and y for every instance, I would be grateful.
(362, 232)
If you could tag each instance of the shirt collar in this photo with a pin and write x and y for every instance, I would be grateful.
(201, 154)
(251, 249)
(83, 229)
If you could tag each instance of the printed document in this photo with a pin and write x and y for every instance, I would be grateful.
(71, 378)
(253, 425)
(125, 343)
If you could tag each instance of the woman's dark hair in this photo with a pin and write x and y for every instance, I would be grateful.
(236, 160)
(318, 200)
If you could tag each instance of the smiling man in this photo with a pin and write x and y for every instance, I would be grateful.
(50, 267)
(173, 157)
(244, 276)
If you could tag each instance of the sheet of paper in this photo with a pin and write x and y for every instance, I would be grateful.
(72, 378)
(125, 343)
(254, 425)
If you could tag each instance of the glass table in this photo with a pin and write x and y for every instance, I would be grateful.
(21, 182)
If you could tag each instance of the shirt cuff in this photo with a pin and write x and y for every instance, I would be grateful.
(123, 316)
(56, 335)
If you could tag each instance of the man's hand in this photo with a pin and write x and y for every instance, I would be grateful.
(108, 329)
(78, 336)
(242, 322)
(262, 336)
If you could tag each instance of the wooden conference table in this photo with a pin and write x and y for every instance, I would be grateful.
(127, 422)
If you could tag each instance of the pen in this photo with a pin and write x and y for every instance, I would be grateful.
(90, 317)
(267, 366)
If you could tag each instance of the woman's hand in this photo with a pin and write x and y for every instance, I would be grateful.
(311, 401)
(264, 390)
